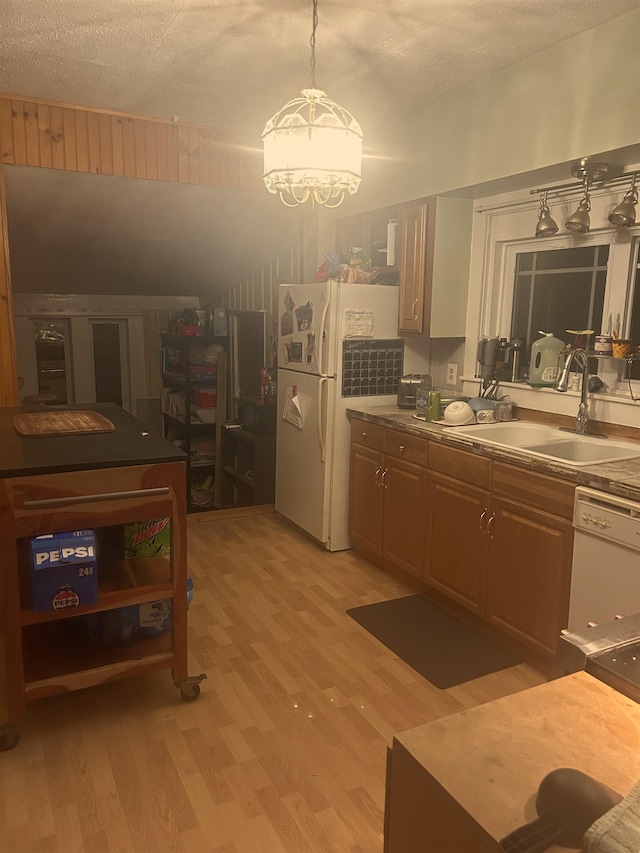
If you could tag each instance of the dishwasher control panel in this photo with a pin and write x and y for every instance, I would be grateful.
(607, 516)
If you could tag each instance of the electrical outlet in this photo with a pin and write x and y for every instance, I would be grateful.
(452, 374)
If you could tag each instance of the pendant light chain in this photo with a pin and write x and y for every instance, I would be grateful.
(312, 42)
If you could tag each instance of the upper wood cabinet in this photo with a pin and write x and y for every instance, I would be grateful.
(434, 254)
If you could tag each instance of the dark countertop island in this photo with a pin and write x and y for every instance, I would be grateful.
(128, 444)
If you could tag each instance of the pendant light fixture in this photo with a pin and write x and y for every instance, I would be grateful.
(547, 226)
(625, 213)
(580, 221)
(589, 174)
(312, 146)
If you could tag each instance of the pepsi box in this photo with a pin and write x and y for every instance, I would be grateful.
(64, 570)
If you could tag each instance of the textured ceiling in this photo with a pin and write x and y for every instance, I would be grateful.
(232, 63)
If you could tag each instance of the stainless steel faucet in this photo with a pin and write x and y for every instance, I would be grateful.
(579, 356)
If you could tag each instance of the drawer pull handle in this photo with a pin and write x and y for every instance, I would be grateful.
(364, 435)
(413, 307)
(483, 515)
(105, 496)
(401, 448)
(382, 479)
(377, 477)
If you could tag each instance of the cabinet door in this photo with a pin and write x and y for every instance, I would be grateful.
(365, 498)
(405, 494)
(413, 229)
(529, 573)
(457, 544)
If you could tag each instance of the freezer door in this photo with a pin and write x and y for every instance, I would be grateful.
(303, 469)
(305, 320)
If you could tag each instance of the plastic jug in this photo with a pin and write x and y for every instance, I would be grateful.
(545, 361)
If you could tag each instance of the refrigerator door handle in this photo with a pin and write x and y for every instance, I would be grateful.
(323, 318)
(321, 438)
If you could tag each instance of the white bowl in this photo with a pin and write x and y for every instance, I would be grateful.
(459, 413)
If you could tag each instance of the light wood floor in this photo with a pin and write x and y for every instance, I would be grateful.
(284, 750)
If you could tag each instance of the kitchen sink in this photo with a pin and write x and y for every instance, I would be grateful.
(583, 450)
(551, 443)
(513, 434)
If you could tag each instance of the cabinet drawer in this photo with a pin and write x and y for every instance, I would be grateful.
(541, 491)
(369, 435)
(76, 499)
(404, 446)
(461, 465)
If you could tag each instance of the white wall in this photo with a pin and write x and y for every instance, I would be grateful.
(578, 98)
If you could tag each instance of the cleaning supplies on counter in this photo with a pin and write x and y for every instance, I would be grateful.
(545, 361)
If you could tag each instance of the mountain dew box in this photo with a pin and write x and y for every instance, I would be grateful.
(148, 538)
(64, 570)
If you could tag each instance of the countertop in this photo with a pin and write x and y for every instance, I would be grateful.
(128, 444)
(490, 759)
(619, 478)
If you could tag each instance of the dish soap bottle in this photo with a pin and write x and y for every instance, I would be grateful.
(545, 357)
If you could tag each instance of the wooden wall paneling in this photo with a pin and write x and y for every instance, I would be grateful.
(19, 133)
(6, 132)
(69, 133)
(56, 137)
(151, 150)
(8, 364)
(81, 123)
(44, 134)
(32, 134)
(140, 148)
(93, 136)
(106, 144)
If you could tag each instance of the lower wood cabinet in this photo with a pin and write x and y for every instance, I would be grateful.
(491, 536)
(365, 498)
(529, 573)
(457, 544)
(404, 514)
(388, 499)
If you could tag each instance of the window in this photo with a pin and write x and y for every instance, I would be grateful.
(558, 290)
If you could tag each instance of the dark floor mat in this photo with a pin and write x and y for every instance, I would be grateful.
(441, 648)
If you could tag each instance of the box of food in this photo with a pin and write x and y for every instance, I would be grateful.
(148, 538)
(64, 570)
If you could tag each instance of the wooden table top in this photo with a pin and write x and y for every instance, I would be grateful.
(491, 759)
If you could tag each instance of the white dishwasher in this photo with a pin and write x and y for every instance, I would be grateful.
(605, 575)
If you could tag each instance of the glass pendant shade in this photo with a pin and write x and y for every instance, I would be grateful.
(580, 222)
(312, 150)
(625, 213)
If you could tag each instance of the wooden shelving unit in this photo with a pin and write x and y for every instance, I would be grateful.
(248, 467)
(53, 652)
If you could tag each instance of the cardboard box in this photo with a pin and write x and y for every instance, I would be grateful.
(205, 398)
(64, 570)
(148, 538)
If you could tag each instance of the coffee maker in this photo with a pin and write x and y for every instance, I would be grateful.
(487, 358)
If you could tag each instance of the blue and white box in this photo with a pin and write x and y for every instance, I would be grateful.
(64, 571)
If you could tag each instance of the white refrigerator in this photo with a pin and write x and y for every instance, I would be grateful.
(337, 348)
